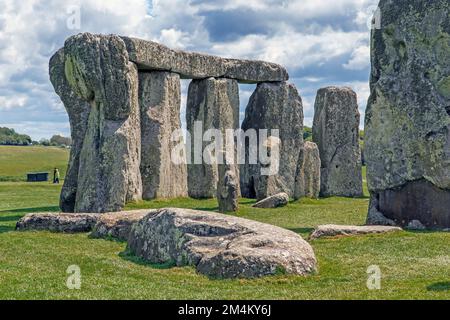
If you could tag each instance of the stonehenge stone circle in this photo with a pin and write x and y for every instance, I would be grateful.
(122, 96)
(274, 106)
(78, 111)
(407, 124)
(307, 182)
(214, 103)
(220, 246)
(160, 103)
(336, 133)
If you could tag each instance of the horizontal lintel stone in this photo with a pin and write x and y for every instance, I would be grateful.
(149, 55)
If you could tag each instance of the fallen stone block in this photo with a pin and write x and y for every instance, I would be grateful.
(58, 222)
(220, 246)
(275, 201)
(332, 230)
(117, 225)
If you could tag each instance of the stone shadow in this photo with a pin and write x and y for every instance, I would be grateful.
(439, 286)
(125, 255)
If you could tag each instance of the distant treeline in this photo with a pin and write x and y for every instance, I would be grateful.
(12, 138)
(9, 137)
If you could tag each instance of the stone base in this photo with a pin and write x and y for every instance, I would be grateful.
(417, 200)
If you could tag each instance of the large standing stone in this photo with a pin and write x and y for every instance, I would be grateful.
(407, 125)
(214, 103)
(78, 111)
(149, 55)
(307, 182)
(160, 102)
(273, 106)
(227, 188)
(98, 70)
(220, 246)
(336, 133)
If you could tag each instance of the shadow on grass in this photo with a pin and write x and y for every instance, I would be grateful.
(302, 230)
(32, 210)
(10, 218)
(5, 229)
(439, 286)
(206, 209)
(128, 256)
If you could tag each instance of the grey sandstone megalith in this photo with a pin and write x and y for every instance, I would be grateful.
(227, 188)
(273, 106)
(336, 133)
(307, 182)
(213, 104)
(149, 55)
(275, 201)
(220, 246)
(407, 125)
(99, 71)
(160, 103)
(78, 111)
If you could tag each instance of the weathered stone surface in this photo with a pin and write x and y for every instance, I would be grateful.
(415, 225)
(58, 222)
(117, 225)
(274, 106)
(407, 125)
(160, 103)
(275, 201)
(416, 200)
(220, 245)
(149, 55)
(375, 217)
(227, 188)
(332, 230)
(78, 111)
(336, 133)
(98, 70)
(214, 103)
(307, 182)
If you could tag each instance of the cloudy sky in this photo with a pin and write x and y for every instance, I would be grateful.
(321, 43)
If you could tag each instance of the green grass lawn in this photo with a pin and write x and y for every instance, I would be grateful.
(33, 264)
(16, 162)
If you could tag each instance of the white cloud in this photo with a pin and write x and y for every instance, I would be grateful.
(16, 102)
(360, 59)
(32, 30)
(293, 49)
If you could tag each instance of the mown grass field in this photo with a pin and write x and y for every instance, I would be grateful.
(33, 264)
(16, 162)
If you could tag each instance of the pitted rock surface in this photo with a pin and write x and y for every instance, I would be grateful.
(407, 125)
(219, 245)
